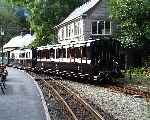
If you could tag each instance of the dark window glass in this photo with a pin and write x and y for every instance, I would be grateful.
(64, 52)
(78, 52)
(27, 55)
(58, 53)
(13, 55)
(68, 52)
(94, 27)
(101, 27)
(62, 33)
(52, 53)
(107, 27)
(84, 52)
(23, 55)
(88, 52)
(47, 54)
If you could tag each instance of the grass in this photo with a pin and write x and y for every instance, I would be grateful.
(138, 80)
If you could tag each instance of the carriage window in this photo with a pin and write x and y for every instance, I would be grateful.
(94, 27)
(39, 54)
(58, 53)
(23, 55)
(47, 54)
(64, 52)
(84, 52)
(88, 49)
(71, 52)
(52, 53)
(12, 55)
(27, 55)
(78, 52)
(68, 52)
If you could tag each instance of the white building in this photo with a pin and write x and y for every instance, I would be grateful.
(90, 20)
(16, 47)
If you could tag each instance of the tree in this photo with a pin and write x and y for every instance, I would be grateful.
(10, 23)
(133, 16)
(45, 14)
(11, 20)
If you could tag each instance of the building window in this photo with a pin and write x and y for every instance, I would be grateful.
(94, 27)
(76, 28)
(59, 35)
(101, 27)
(12, 55)
(67, 31)
(62, 33)
(107, 27)
(29, 54)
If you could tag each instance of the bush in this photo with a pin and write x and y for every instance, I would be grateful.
(139, 71)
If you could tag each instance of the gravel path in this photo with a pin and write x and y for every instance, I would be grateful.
(119, 105)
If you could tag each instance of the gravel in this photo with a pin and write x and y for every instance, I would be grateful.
(55, 110)
(119, 105)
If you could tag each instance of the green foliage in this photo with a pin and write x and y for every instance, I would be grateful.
(136, 71)
(133, 16)
(9, 22)
(45, 14)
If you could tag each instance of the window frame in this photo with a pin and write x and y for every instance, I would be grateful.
(98, 21)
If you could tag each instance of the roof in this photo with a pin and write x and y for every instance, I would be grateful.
(20, 41)
(80, 11)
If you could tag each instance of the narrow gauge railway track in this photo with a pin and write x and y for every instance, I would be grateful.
(126, 89)
(74, 106)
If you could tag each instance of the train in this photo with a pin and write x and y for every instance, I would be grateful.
(86, 61)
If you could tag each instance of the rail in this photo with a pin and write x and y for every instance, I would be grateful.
(59, 91)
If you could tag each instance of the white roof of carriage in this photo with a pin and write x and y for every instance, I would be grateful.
(80, 11)
(20, 41)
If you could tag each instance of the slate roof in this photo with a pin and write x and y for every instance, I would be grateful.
(80, 11)
(20, 42)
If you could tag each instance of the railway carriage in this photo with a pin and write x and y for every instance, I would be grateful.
(82, 61)
(90, 60)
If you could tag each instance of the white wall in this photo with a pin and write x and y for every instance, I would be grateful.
(72, 36)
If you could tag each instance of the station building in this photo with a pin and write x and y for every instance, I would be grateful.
(17, 46)
(89, 21)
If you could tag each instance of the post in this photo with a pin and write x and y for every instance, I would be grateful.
(2, 52)
(2, 34)
(126, 62)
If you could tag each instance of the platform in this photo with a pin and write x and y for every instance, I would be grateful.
(22, 100)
